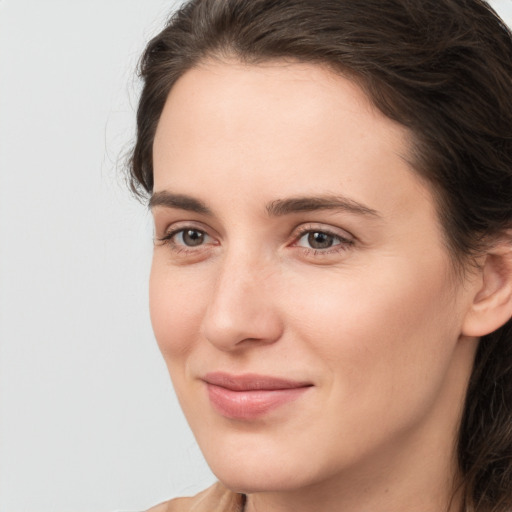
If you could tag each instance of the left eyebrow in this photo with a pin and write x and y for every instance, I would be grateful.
(282, 207)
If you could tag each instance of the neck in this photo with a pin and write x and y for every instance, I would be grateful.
(400, 486)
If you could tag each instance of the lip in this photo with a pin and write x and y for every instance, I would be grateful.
(250, 396)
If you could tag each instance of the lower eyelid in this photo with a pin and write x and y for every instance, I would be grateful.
(340, 242)
(169, 239)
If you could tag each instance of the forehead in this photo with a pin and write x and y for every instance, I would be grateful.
(271, 96)
(280, 123)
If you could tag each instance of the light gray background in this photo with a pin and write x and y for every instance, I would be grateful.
(88, 419)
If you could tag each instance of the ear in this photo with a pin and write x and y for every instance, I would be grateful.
(491, 306)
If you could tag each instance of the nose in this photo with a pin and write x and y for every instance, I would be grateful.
(242, 311)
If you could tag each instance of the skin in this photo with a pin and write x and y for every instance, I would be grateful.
(375, 322)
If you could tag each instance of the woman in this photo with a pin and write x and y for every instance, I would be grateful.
(331, 288)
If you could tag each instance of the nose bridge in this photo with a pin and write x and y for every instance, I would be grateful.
(241, 306)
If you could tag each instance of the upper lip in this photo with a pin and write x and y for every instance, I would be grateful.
(252, 382)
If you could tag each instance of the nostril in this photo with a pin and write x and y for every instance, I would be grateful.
(241, 309)
(241, 326)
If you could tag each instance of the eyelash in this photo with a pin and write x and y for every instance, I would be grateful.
(168, 239)
(342, 245)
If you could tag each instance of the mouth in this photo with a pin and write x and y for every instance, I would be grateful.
(251, 396)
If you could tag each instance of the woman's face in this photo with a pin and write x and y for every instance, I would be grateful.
(301, 293)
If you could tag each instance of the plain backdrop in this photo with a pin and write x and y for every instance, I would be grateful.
(88, 418)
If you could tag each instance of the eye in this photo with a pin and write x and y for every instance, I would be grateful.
(186, 238)
(190, 237)
(319, 240)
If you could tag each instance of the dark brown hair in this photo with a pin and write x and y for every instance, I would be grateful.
(443, 69)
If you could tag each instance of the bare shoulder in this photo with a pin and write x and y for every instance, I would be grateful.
(174, 505)
(214, 499)
(161, 507)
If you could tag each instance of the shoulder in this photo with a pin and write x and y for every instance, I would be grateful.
(162, 507)
(214, 499)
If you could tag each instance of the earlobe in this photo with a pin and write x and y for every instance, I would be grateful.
(491, 306)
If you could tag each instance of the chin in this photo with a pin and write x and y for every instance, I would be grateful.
(262, 469)
(262, 478)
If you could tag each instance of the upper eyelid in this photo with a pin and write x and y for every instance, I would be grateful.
(169, 233)
(322, 228)
(296, 232)
(179, 225)
(167, 239)
(344, 241)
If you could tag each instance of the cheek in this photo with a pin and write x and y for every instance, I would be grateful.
(382, 332)
(177, 302)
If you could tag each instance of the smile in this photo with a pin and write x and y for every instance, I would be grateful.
(248, 397)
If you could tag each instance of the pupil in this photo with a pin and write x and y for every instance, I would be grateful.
(320, 240)
(193, 237)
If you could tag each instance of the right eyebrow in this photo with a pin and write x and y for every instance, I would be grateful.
(179, 201)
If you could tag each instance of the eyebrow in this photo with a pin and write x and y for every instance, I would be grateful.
(312, 203)
(179, 201)
(277, 208)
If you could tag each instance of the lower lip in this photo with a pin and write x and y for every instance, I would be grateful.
(252, 404)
